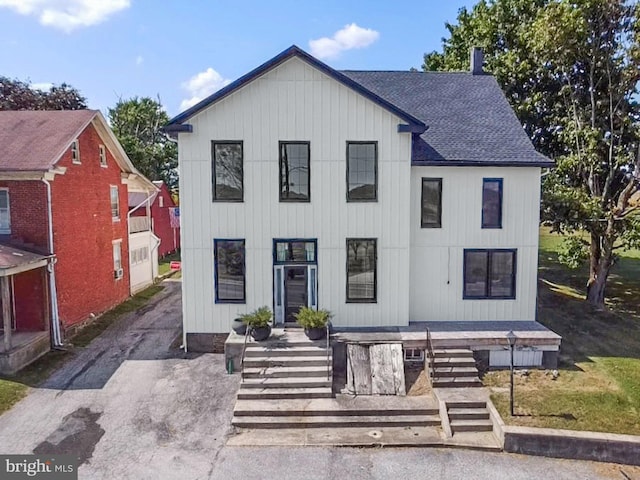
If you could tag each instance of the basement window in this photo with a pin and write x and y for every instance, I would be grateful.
(413, 355)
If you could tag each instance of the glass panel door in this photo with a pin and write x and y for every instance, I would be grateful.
(295, 291)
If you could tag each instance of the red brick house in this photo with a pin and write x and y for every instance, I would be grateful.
(64, 188)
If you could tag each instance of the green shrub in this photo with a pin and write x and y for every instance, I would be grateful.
(259, 318)
(310, 318)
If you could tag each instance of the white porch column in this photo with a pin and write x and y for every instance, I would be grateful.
(6, 311)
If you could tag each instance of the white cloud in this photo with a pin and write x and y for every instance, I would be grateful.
(349, 37)
(43, 86)
(139, 60)
(67, 15)
(201, 85)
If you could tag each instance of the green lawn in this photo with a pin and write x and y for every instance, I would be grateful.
(14, 388)
(164, 263)
(599, 383)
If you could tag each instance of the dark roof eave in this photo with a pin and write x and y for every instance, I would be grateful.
(491, 163)
(277, 60)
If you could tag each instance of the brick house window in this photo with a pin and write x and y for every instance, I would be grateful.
(118, 271)
(103, 156)
(75, 152)
(115, 203)
(5, 214)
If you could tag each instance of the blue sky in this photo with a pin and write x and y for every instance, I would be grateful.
(185, 50)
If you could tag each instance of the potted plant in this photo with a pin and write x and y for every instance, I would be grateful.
(259, 321)
(313, 321)
(238, 326)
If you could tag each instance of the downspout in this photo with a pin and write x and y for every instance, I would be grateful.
(55, 317)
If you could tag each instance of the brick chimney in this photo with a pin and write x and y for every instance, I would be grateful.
(477, 59)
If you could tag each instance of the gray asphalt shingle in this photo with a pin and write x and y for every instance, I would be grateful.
(468, 117)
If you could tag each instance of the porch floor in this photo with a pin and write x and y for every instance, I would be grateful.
(463, 334)
(25, 348)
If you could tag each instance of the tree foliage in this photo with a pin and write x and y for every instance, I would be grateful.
(18, 95)
(571, 70)
(136, 123)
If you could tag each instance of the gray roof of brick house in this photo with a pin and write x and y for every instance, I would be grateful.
(34, 140)
(468, 118)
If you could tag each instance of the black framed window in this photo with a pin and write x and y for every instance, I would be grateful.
(227, 169)
(431, 216)
(294, 172)
(229, 256)
(362, 270)
(489, 274)
(491, 203)
(362, 171)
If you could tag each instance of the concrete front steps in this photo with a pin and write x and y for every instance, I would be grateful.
(287, 366)
(341, 412)
(469, 417)
(455, 368)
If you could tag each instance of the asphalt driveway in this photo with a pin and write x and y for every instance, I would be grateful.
(130, 406)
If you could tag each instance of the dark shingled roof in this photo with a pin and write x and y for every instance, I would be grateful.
(468, 118)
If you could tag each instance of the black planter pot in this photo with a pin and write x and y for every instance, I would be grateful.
(239, 326)
(261, 333)
(317, 333)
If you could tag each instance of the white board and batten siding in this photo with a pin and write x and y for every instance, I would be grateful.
(436, 280)
(295, 102)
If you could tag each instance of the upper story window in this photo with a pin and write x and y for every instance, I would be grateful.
(489, 274)
(115, 203)
(229, 257)
(362, 270)
(491, 203)
(294, 172)
(161, 201)
(75, 151)
(362, 171)
(227, 169)
(431, 216)
(103, 156)
(5, 212)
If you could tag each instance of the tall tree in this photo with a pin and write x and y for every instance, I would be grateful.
(18, 95)
(137, 123)
(571, 71)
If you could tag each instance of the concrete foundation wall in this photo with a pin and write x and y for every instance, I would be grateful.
(601, 447)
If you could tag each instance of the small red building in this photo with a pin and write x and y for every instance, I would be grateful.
(64, 188)
(166, 220)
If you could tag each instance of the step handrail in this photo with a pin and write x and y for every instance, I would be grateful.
(328, 360)
(430, 358)
(244, 349)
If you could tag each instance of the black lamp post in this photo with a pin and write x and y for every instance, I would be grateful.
(511, 338)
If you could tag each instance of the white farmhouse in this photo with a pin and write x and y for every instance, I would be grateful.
(397, 200)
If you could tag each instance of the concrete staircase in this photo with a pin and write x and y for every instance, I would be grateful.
(455, 368)
(286, 385)
(469, 416)
(290, 366)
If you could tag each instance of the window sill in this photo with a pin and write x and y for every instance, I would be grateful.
(488, 298)
(115, 219)
(103, 166)
(361, 301)
(236, 302)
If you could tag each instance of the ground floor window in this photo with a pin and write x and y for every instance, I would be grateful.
(118, 271)
(229, 257)
(139, 255)
(361, 270)
(489, 274)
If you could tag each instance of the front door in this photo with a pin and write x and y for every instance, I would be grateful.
(295, 291)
